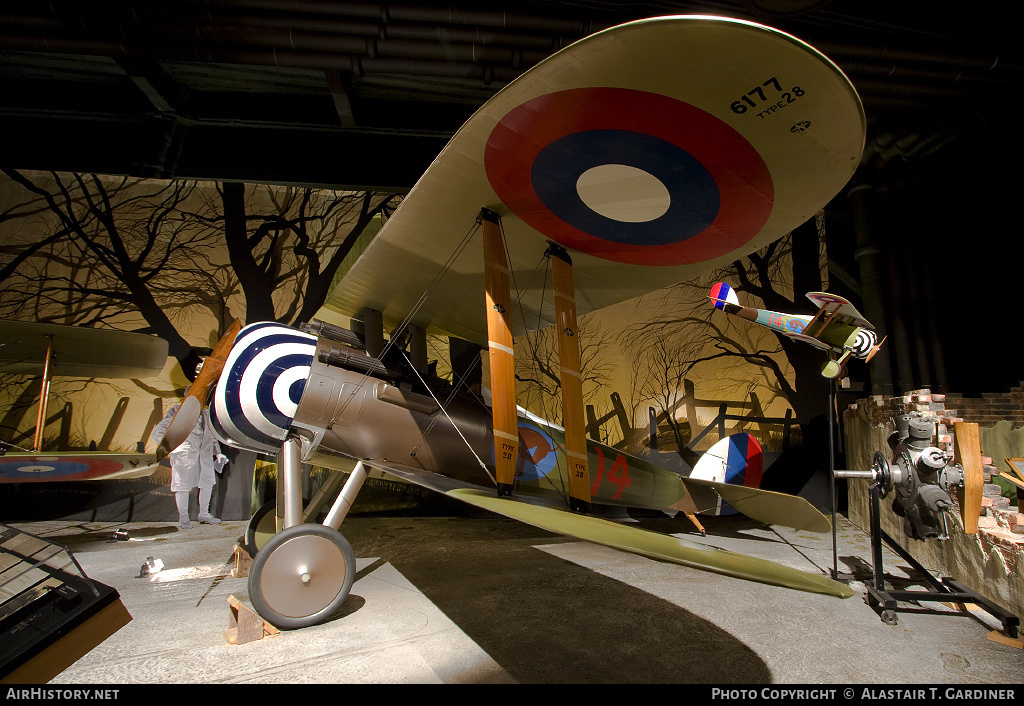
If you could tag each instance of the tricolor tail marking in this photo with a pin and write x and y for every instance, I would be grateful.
(736, 459)
(722, 294)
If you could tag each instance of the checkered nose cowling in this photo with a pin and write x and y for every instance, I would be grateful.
(864, 342)
(259, 391)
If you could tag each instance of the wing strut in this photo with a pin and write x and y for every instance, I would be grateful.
(44, 396)
(571, 378)
(502, 358)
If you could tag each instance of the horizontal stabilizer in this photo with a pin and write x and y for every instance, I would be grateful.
(766, 505)
(653, 545)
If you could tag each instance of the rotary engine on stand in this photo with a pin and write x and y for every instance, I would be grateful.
(921, 478)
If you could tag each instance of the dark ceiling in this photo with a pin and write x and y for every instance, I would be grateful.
(365, 95)
(360, 94)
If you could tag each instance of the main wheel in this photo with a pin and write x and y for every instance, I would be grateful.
(832, 370)
(301, 576)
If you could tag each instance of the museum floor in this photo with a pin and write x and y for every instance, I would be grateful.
(489, 600)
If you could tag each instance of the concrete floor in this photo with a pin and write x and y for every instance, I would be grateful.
(489, 600)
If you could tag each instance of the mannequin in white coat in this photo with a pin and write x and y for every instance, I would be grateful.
(195, 463)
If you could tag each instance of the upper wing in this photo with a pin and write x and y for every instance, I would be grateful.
(627, 538)
(651, 151)
(845, 311)
(80, 351)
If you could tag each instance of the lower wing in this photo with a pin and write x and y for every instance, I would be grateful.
(808, 339)
(623, 537)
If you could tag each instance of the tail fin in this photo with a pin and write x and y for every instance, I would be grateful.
(722, 294)
(736, 460)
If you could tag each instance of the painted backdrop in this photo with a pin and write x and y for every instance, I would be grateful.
(182, 259)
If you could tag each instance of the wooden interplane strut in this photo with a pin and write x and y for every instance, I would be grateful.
(571, 378)
(44, 396)
(501, 354)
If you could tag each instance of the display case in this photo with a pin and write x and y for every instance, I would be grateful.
(51, 613)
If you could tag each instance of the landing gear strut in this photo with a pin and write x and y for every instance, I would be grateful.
(301, 575)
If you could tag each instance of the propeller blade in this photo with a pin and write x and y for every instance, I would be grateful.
(213, 365)
(182, 424)
(875, 350)
(968, 455)
(184, 420)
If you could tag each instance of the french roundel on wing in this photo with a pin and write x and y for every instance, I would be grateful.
(629, 176)
(259, 391)
(55, 468)
(863, 343)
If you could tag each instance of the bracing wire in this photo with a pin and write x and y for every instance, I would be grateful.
(520, 293)
(451, 396)
(409, 317)
(421, 301)
(454, 425)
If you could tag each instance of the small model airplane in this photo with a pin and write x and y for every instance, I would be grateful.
(53, 349)
(651, 151)
(837, 327)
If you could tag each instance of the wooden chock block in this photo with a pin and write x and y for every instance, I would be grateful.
(245, 625)
(962, 606)
(242, 563)
(996, 636)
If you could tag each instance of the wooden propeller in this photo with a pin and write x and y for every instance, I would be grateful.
(196, 395)
(968, 455)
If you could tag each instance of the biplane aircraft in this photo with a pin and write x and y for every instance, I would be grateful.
(74, 351)
(837, 327)
(628, 161)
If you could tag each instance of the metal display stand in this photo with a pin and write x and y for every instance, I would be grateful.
(886, 602)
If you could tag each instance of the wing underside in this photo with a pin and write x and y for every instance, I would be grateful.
(654, 545)
(650, 151)
(79, 351)
(841, 310)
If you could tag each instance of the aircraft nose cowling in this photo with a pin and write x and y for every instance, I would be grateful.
(258, 393)
(864, 342)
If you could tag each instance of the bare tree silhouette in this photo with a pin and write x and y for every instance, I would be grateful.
(178, 259)
(685, 333)
(537, 368)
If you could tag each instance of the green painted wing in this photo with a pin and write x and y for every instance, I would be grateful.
(628, 538)
(652, 544)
